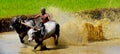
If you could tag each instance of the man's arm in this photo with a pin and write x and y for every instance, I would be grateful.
(37, 16)
(48, 17)
(34, 17)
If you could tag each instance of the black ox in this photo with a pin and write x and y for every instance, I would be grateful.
(20, 28)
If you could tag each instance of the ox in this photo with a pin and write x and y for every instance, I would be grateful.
(52, 29)
(20, 28)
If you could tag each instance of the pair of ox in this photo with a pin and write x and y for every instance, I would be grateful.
(27, 27)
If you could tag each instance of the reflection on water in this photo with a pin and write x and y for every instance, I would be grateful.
(112, 50)
(10, 44)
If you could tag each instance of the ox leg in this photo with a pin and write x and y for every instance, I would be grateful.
(37, 45)
(40, 42)
(57, 35)
(21, 39)
(43, 47)
(55, 39)
(21, 36)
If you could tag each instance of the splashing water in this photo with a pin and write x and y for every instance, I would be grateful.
(78, 29)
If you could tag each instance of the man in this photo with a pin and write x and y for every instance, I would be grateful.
(44, 18)
(43, 15)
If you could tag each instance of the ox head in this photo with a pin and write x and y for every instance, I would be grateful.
(33, 33)
(16, 21)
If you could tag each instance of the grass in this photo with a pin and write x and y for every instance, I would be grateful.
(19, 7)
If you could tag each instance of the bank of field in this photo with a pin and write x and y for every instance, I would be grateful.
(19, 7)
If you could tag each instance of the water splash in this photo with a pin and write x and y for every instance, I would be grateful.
(79, 29)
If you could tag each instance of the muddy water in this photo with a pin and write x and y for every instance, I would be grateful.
(10, 44)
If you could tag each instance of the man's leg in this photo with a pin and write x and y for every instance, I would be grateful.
(43, 30)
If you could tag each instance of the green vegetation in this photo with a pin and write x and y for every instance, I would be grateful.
(18, 7)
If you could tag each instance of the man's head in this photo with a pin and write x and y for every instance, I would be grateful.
(43, 10)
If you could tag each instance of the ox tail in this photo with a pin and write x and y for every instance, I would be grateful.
(57, 30)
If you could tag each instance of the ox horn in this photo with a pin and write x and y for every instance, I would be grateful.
(30, 26)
